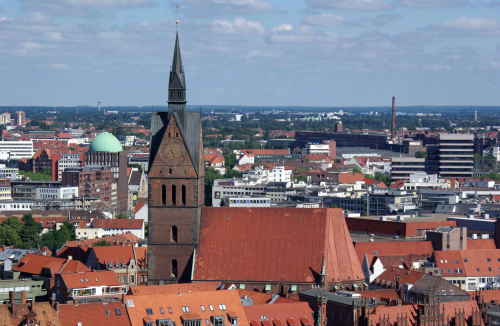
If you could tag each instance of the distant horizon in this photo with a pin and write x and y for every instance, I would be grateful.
(215, 106)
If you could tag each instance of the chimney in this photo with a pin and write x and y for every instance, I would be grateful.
(23, 297)
(393, 129)
(11, 297)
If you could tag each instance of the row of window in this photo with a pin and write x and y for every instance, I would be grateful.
(173, 194)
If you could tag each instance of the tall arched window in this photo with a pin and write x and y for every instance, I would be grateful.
(163, 195)
(183, 195)
(174, 234)
(174, 195)
(174, 268)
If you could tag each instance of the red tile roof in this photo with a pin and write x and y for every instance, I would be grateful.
(252, 152)
(174, 288)
(389, 277)
(381, 295)
(258, 244)
(489, 296)
(393, 313)
(472, 262)
(139, 206)
(279, 313)
(481, 244)
(202, 303)
(93, 314)
(33, 264)
(88, 279)
(118, 223)
(349, 178)
(107, 254)
(392, 248)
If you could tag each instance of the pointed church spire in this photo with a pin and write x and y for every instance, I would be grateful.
(177, 84)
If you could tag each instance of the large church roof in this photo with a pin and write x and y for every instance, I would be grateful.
(263, 244)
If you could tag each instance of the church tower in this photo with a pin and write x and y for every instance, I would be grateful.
(176, 183)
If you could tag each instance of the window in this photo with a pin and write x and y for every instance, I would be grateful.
(233, 320)
(183, 195)
(211, 307)
(185, 309)
(124, 278)
(443, 292)
(222, 307)
(162, 311)
(163, 195)
(174, 234)
(169, 309)
(489, 269)
(131, 278)
(192, 322)
(148, 323)
(174, 268)
(488, 259)
(466, 260)
(452, 292)
(163, 322)
(118, 311)
(202, 308)
(174, 195)
(149, 311)
(106, 312)
(218, 321)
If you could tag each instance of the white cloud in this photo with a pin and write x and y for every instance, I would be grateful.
(260, 5)
(431, 3)
(282, 28)
(238, 26)
(437, 67)
(382, 20)
(325, 20)
(215, 7)
(468, 26)
(362, 5)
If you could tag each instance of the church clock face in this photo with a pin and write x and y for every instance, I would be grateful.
(173, 151)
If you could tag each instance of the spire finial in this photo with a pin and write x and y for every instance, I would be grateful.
(177, 15)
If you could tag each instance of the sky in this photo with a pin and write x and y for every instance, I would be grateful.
(334, 53)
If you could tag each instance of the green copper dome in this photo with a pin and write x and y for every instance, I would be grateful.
(105, 142)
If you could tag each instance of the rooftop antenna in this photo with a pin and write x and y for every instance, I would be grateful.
(99, 106)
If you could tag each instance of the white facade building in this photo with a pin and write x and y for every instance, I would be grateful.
(67, 161)
(496, 153)
(56, 193)
(316, 149)
(17, 149)
(16, 206)
(9, 173)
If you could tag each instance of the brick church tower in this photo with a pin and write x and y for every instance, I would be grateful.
(176, 183)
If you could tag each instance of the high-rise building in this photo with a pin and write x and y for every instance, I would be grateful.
(176, 183)
(20, 118)
(452, 156)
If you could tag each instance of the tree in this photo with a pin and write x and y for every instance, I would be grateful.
(122, 216)
(15, 223)
(230, 160)
(57, 238)
(9, 236)
(356, 170)
(421, 154)
(333, 206)
(30, 233)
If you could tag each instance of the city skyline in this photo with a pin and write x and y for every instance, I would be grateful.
(251, 52)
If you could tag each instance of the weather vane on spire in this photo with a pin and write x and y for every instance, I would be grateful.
(176, 14)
